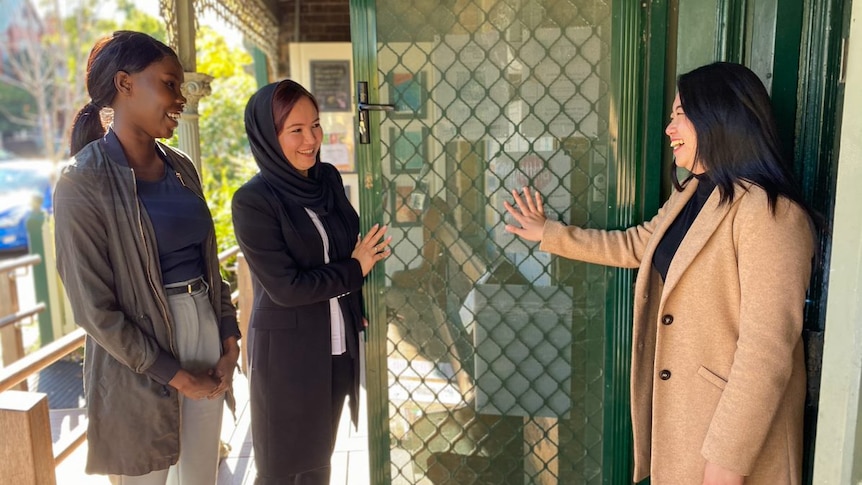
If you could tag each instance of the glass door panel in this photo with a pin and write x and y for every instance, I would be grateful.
(494, 351)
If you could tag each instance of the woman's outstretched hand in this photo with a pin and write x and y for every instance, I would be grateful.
(371, 248)
(529, 214)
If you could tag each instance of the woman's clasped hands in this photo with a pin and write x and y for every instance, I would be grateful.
(371, 248)
(196, 384)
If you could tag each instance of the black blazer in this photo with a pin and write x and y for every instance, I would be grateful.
(289, 346)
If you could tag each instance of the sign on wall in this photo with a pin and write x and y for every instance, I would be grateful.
(330, 84)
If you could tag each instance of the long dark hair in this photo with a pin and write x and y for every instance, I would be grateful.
(737, 138)
(126, 51)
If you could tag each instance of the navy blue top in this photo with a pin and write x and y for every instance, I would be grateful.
(181, 222)
(180, 219)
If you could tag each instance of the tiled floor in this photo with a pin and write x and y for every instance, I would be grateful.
(349, 460)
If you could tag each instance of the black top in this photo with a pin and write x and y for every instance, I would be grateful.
(666, 249)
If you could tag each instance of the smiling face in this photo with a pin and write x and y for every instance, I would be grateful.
(301, 135)
(683, 139)
(154, 101)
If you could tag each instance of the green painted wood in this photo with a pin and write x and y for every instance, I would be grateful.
(760, 51)
(731, 38)
(659, 91)
(697, 33)
(260, 66)
(785, 68)
(625, 191)
(815, 160)
(363, 27)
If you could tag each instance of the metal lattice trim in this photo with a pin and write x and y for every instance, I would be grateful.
(167, 9)
(251, 17)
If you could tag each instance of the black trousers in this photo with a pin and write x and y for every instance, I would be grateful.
(342, 378)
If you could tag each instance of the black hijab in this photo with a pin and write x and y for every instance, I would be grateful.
(313, 191)
(322, 191)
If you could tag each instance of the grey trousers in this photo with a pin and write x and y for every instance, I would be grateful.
(198, 343)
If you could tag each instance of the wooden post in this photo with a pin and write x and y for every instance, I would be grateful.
(246, 301)
(11, 337)
(26, 451)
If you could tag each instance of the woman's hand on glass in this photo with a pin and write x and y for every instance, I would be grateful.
(371, 248)
(529, 214)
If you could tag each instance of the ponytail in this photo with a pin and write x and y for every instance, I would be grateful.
(87, 127)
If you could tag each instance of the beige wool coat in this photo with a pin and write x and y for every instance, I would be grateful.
(717, 360)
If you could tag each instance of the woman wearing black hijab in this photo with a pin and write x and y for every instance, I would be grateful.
(300, 236)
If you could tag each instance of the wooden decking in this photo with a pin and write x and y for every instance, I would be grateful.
(349, 462)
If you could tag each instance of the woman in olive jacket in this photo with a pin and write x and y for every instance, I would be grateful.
(300, 236)
(718, 376)
(161, 338)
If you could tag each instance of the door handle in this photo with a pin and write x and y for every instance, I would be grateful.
(362, 109)
(376, 107)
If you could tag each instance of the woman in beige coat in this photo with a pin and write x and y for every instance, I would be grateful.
(718, 376)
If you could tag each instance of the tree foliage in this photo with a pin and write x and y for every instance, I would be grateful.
(225, 157)
(38, 66)
(17, 103)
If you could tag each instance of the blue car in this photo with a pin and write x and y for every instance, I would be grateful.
(24, 184)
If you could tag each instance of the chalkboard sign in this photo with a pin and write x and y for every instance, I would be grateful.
(330, 84)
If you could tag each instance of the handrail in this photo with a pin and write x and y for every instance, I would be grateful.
(224, 256)
(23, 368)
(38, 360)
(21, 315)
(227, 254)
(13, 264)
(64, 448)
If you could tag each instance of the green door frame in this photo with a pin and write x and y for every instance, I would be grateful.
(825, 28)
(639, 100)
(362, 22)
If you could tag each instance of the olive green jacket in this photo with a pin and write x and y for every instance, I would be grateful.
(109, 264)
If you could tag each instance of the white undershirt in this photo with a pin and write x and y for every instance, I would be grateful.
(336, 332)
